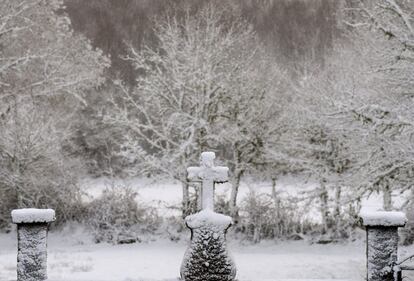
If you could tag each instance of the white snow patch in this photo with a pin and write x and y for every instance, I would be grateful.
(32, 215)
(383, 218)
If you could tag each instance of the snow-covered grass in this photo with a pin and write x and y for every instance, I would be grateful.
(73, 258)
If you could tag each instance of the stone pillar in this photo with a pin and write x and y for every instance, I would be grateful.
(382, 243)
(32, 228)
(207, 258)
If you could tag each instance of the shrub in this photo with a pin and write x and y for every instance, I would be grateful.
(116, 217)
(35, 172)
(265, 216)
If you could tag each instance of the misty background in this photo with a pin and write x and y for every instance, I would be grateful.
(294, 31)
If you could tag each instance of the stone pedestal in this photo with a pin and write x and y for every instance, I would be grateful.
(32, 228)
(207, 258)
(382, 243)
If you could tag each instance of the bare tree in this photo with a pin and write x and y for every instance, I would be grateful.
(364, 93)
(196, 91)
(382, 35)
(45, 70)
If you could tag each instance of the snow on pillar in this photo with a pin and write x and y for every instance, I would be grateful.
(207, 258)
(32, 227)
(382, 243)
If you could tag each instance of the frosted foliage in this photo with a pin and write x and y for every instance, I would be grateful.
(381, 252)
(33, 215)
(207, 259)
(32, 252)
(384, 218)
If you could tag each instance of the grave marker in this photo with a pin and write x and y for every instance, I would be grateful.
(207, 258)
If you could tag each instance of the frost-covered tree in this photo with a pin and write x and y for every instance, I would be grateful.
(253, 120)
(365, 92)
(321, 155)
(45, 70)
(193, 88)
(382, 36)
(40, 55)
(388, 27)
(35, 171)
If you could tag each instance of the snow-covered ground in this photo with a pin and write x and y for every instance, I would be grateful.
(71, 259)
(74, 257)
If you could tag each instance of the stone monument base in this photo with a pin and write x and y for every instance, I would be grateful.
(207, 258)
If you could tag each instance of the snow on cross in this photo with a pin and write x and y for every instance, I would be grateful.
(208, 175)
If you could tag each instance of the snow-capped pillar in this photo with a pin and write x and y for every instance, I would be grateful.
(382, 243)
(32, 228)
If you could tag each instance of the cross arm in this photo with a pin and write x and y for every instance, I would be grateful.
(217, 174)
(221, 174)
(194, 174)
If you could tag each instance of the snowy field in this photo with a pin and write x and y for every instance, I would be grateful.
(74, 257)
(71, 260)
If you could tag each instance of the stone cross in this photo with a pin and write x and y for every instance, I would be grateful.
(207, 258)
(32, 227)
(208, 175)
(382, 243)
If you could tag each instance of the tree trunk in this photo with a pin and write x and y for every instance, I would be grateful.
(186, 200)
(256, 233)
(387, 197)
(324, 206)
(276, 200)
(234, 192)
(337, 212)
(274, 188)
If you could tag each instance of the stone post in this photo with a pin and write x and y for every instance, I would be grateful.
(32, 228)
(382, 243)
